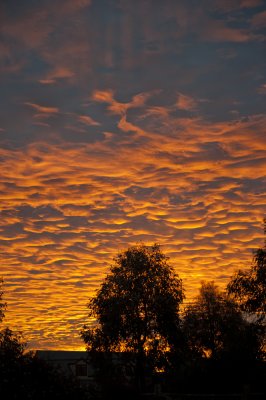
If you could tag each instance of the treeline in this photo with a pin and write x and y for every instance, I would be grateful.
(215, 344)
(23, 376)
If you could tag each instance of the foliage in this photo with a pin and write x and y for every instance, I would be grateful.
(216, 328)
(249, 287)
(2, 304)
(137, 306)
(11, 344)
(24, 376)
(27, 377)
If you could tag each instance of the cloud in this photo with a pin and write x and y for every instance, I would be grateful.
(186, 103)
(259, 20)
(87, 120)
(217, 31)
(105, 96)
(57, 74)
(262, 89)
(188, 194)
(43, 109)
(119, 108)
(250, 3)
(120, 125)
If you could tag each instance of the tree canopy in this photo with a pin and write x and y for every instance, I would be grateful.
(25, 376)
(136, 307)
(216, 327)
(249, 287)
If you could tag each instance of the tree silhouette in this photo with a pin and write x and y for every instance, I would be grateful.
(217, 329)
(137, 306)
(249, 287)
(24, 376)
(2, 303)
(226, 349)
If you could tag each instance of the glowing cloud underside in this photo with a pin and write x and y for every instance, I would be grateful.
(123, 122)
(67, 209)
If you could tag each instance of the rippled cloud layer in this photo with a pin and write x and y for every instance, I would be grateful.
(125, 122)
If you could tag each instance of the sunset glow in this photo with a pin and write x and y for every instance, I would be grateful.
(126, 121)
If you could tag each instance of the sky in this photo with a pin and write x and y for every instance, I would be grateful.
(124, 121)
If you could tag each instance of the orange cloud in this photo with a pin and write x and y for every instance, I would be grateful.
(43, 109)
(87, 120)
(70, 204)
(250, 3)
(103, 96)
(216, 31)
(59, 72)
(116, 107)
(186, 102)
(259, 20)
(262, 89)
(151, 168)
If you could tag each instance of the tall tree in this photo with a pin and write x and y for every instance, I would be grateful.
(217, 329)
(249, 287)
(137, 306)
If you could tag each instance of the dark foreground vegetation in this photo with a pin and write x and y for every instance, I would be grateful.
(23, 376)
(216, 344)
